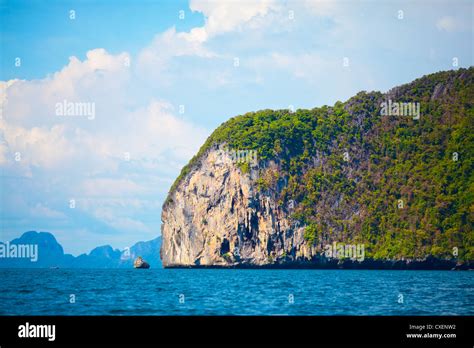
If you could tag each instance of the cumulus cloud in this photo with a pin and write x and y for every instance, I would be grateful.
(225, 16)
(154, 59)
(32, 103)
(184, 137)
(48, 140)
(39, 146)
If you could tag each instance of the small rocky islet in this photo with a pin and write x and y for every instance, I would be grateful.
(140, 263)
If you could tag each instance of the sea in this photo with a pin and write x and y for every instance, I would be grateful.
(251, 292)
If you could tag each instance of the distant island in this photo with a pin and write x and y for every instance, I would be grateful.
(41, 250)
(379, 181)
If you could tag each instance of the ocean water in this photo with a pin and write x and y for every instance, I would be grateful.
(234, 292)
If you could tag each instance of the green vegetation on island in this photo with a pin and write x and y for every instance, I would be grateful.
(402, 186)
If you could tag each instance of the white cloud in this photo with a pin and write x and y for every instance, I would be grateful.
(179, 137)
(226, 16)
(154, 59)
(40, 147)
(32, 103)
(49, 141)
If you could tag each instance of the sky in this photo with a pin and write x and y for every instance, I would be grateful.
(103, 102)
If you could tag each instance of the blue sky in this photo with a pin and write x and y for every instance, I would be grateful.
(45, 36)
(160, 84)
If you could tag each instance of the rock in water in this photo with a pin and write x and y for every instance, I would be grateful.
(140, 263)
(276, 188)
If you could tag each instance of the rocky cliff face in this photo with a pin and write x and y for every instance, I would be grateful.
(347, 173)
(217, 217)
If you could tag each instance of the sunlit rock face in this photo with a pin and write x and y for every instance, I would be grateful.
(216, 217)
(387, 175)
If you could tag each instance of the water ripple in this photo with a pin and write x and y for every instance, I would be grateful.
(235, 292)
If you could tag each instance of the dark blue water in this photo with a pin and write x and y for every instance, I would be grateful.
(235, 292)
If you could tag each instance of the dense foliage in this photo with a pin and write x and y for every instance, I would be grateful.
(403, 187)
